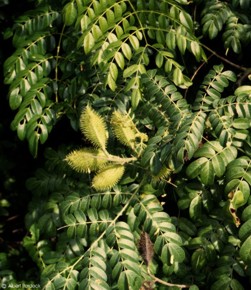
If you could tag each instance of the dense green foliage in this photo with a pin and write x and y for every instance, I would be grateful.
(161, 93)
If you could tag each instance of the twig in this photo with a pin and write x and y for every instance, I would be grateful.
(57, 58)
(243, 77)
(195, 73)
(243, 68)
(197, 70)
(166, 283)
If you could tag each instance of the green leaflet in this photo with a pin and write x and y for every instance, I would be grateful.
(69, 13)
(94, 272)
(211, 162)
(238, 181)
(214, 18)
(130, 275)
(245, 250)
(26, 72)
(212, 86)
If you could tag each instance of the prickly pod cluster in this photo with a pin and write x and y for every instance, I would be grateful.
(108, 169)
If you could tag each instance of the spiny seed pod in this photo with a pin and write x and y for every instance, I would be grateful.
(124, 129)
(146, 248)
(93, 127)
(86, 159)
(108, 177)
(163, 173)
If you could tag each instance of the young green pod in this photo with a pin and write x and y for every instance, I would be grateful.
(108, 177)
(124, 129)
(93, 127)
(86, 159)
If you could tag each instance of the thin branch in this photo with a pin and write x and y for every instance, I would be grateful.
(197, 70)
(242, 68)
(243, 77)
(156, 279)
(195, 73)
(57, 57)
